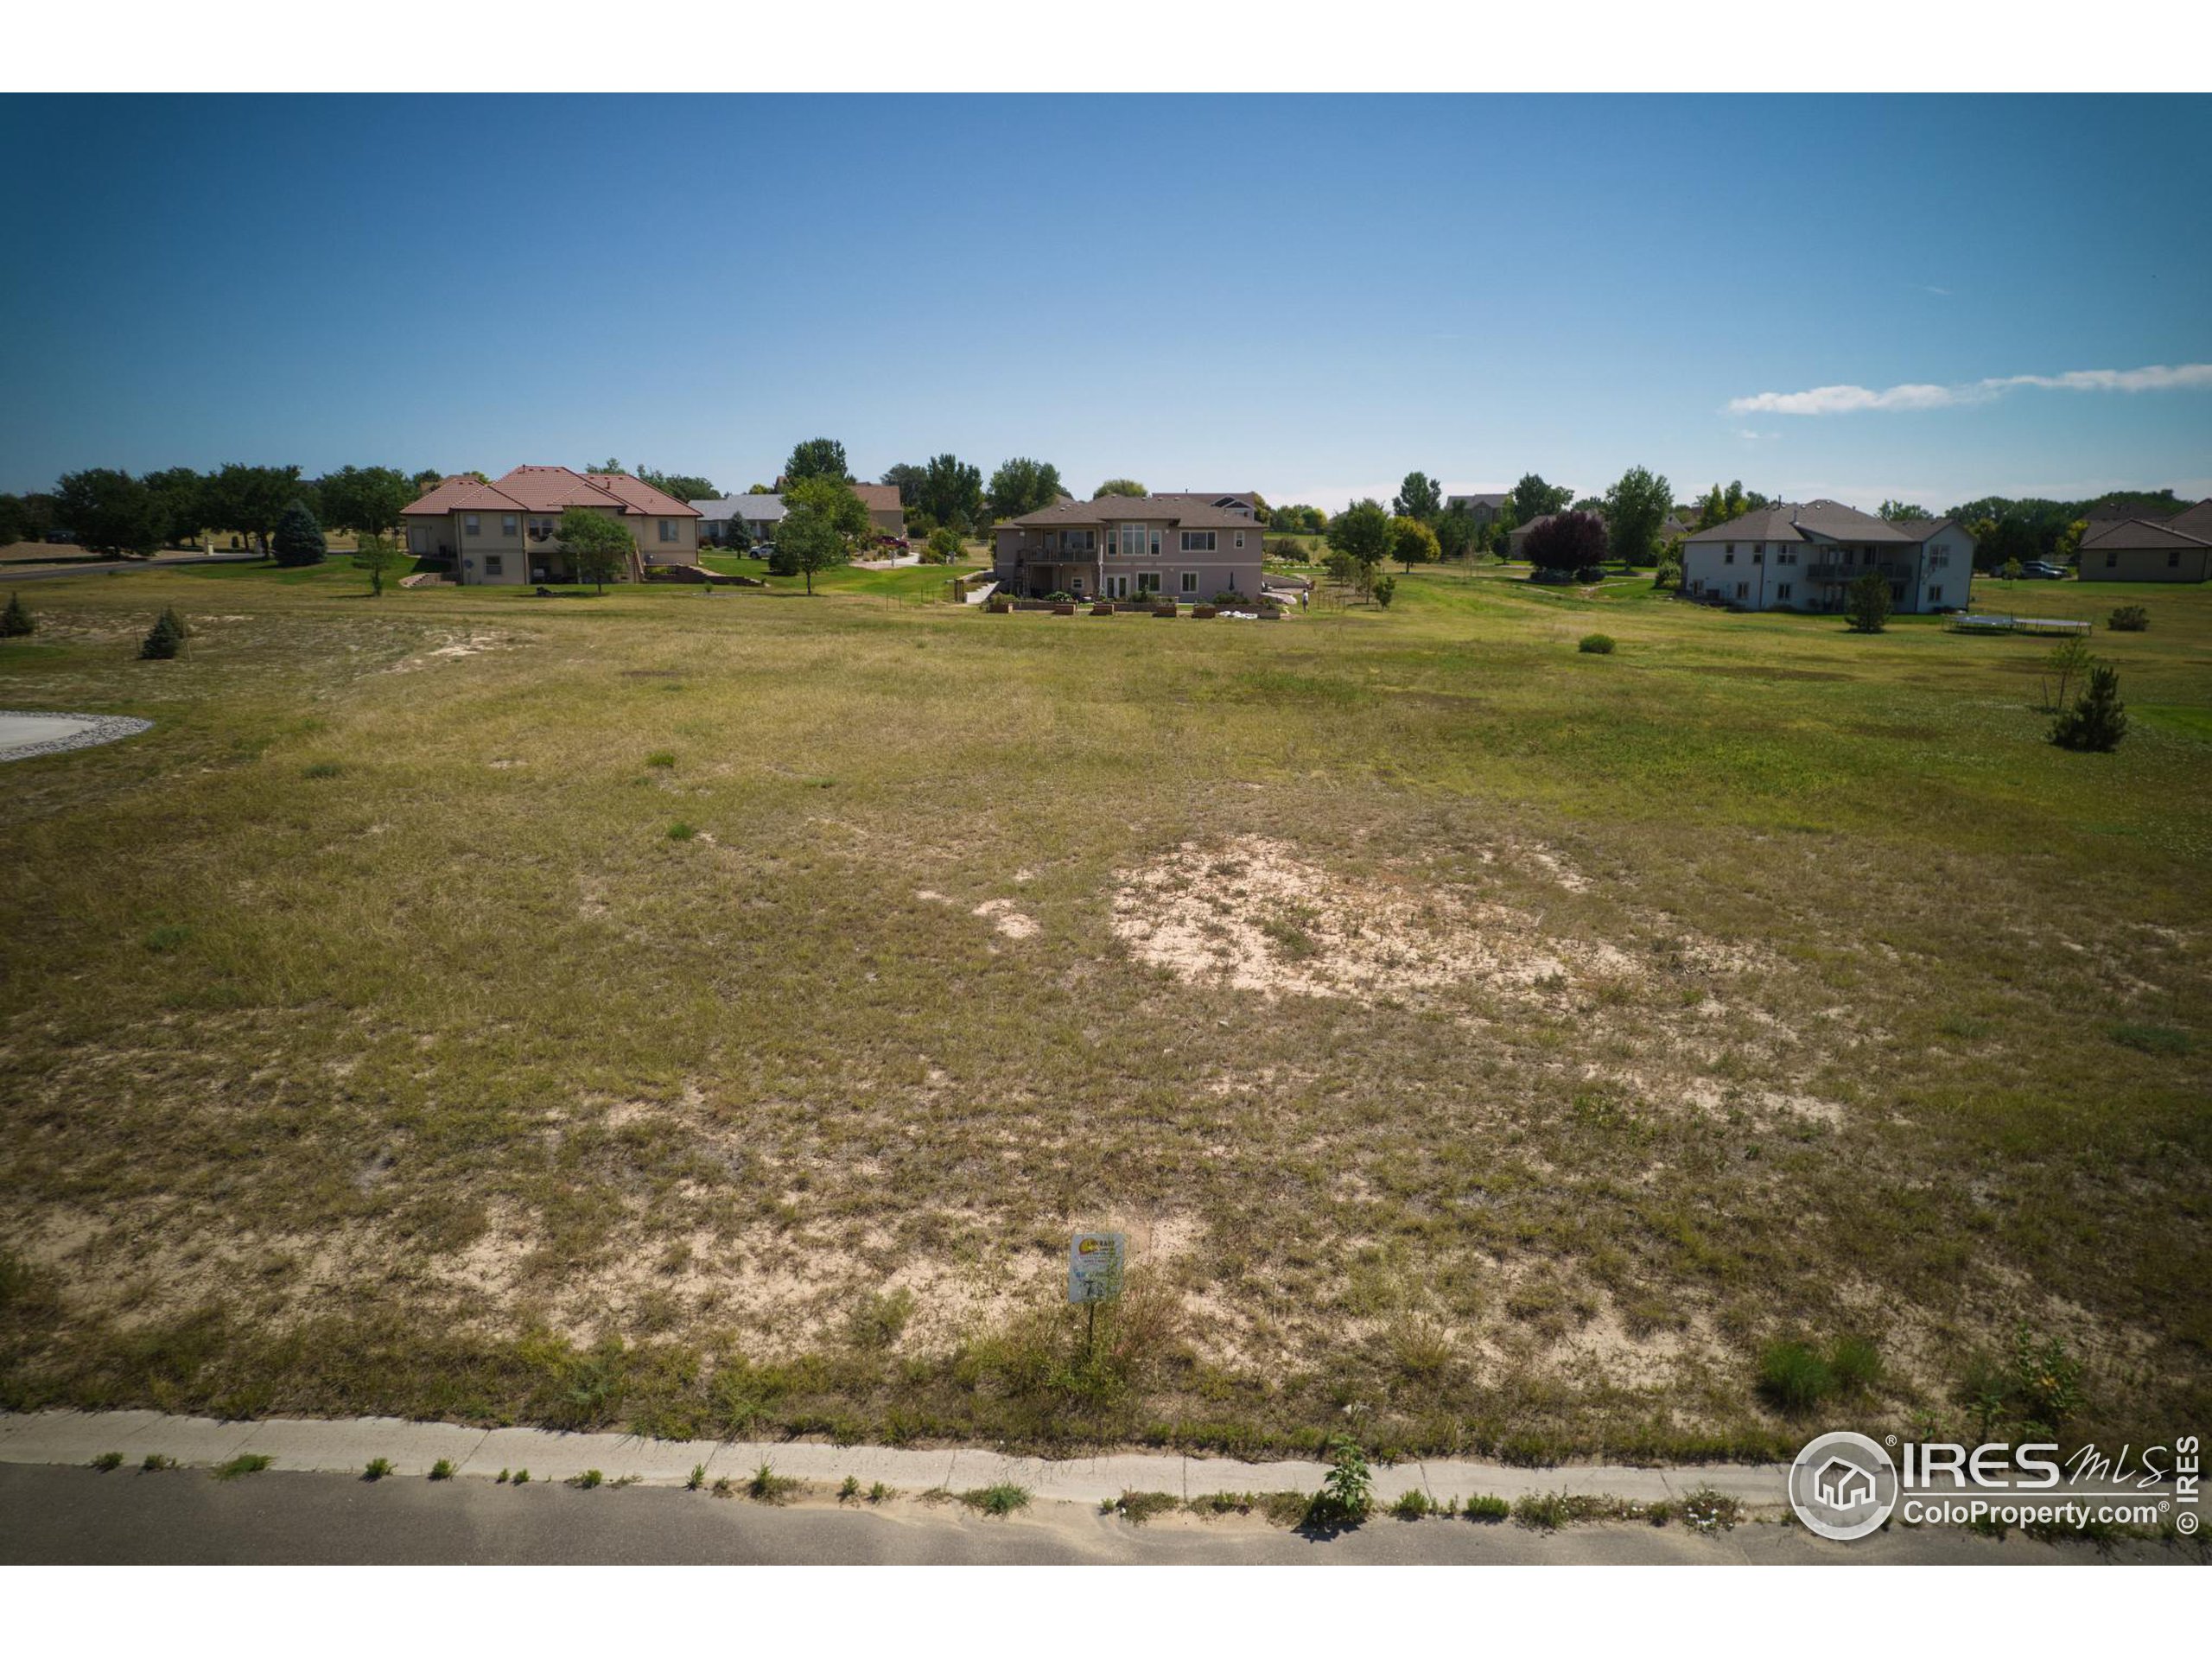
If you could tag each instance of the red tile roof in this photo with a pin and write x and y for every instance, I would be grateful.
(550, 489)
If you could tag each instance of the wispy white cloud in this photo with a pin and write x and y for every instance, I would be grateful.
(1749, 437)
(1930, 288)
(1850, 400)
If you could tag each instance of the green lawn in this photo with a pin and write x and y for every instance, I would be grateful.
(710, 1014)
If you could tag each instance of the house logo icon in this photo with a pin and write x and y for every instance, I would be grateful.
(1843, 1486)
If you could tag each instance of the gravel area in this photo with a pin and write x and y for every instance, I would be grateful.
(29, 732)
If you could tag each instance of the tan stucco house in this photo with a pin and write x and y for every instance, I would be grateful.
(2178, 549)
(506, 531)
(1182, 546)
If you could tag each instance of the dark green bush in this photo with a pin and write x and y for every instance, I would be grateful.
(1598, 644)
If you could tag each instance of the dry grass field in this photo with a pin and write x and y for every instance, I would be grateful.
(710, 1014)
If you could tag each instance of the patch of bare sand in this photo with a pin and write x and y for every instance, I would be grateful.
(1256, 915)
(1004, 916)
(455, 645)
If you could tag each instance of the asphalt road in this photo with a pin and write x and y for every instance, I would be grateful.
(51, 1514)
(10, 574)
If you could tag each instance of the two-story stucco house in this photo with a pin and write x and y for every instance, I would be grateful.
(507, 531)
(1483, 509)
(1119, 546)
(1805, 558)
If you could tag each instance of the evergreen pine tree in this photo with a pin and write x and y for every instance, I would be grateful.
(2099, 721)
(1870, 604)
(166, 638)
(16, 620)
(299, 538)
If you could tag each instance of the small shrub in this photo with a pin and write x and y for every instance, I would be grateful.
(16, 622)
(2128, 619)
(766, 1486)
(586, 1481)
(2152, 1039)
(377, 1469)
(500, 1480)
(1137, 1508)
(879, 1493)
(849, 1490)
(1869, 602)
(696, 1478)
(1855, 1363)
(1386, 589)
(165, 638)
(442, 1469)
(680, 831)
(660, 758)
(1709, 1510)
(1660, 1513)
(1793, 1378)
(1596, 645)
(724, 1487)
(246, 1463)
(1590, 573)
(1347, 1494)
(155, 1462)
(1002, 1499)
(522, 1477)
(2099, 721)
(1547, 1511)
(108, 1462)
(1487, 1508)
(1412, 1505)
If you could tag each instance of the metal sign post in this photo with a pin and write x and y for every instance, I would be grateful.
(1095, 1262)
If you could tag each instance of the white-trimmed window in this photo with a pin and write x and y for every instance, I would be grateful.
(1190, 581)
(1075, 586)
(1131, 540)
(1240, 538)
(1197, 540)
(1782, 590)
(1743, 590)
(1147, 582)
(1936, 594)
(471, 525)
(1729, 557)
(494, 565)
(509, 524)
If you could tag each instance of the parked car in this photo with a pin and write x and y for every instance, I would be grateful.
(2043, 570)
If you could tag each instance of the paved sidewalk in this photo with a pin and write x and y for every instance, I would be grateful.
(344, 1446)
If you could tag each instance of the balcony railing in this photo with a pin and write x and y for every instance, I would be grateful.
(1853, 572)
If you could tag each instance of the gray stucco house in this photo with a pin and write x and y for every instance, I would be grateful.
(1184, 546)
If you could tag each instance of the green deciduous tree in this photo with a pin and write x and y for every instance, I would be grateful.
(951, 491)
(684, 486)
(1636, 508)
(1455, 533)
(249, 500)
(1361, 533)
(1897, 512)
(110, 510)
(833, 498)
(1022, 486)
(299, 539)
(1419, 496)
(1412, 542)
(1119, 486)
(380, 556)
(181, 495)
(943, 547)
(2099, 721)
(596, 544)
(367, 501)
(1868, 604)
(816, 458)
(1532, 498)
(808, 540)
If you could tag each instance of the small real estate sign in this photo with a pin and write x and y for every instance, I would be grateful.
(1095, 1264)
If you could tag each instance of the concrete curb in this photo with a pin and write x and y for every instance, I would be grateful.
(345, 1446)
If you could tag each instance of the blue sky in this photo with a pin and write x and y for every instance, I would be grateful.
(1305, 295)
